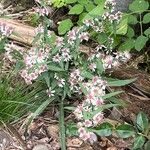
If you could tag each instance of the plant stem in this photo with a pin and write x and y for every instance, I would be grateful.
(141, 27)
(62, 126)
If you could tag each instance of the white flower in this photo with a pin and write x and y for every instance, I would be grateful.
(61, 82)
(98, 118)
(57, 58)
(50, 92)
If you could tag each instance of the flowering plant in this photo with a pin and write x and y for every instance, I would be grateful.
(67, 71)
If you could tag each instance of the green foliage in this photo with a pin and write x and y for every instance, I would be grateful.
(138, 16)
(105, 129)
(16, 98)
(64, 26)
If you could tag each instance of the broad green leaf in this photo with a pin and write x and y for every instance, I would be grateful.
(111, 94)
(139, 5)
(125, 131)
(81, 16)
(138, 142)
(83, 2)
(132, 19)
(101, 38)
(105, 129)
(86, 74)
(70, 1)
(147, 32)
(97, 2)
(130, 32)
(123, 26)
(64, 26)
(147, 145)
(97, 11)
(142, 121)
(140, 42)
(127, 45)
(146, 18)
(76, 9)
(89, 7)
(120, 82)
(54, 67)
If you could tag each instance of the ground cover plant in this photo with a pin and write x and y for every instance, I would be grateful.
(65, 70)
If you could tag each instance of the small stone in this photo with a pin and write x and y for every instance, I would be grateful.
(40, 147)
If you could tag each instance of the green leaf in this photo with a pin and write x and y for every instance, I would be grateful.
(83, 2)
(147, 145)
(71, 129)
(83, 89)
(54, 67)
(146, 18)
(142, 121)
(127, 45)
(123, 26)
(147, 32)
(130, 32)
(99, 66)
(120, 82)
(97, 11)
(140, 42)
(139, 5)
(89, 7)
(76, 9)
(125, 131)
(86, 74)
(70, 1)
(105, 129)
(138, 142)
(102, 37)
(132, 19)
(64, 26)
(111, 94)
(97, 1)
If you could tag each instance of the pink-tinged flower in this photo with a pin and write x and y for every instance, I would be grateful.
(71, 36)
(61, 82)
(5, 30)
(108, 60)
(79, 124)
(57, 58)
(93, 137)
(66, 57)
(84, 36)
(88, 123)
(43, 11)
(39, 29)
(88, 22)
(98, 118)
(100, 47)
(78, 112)
(59, 41)
(65, 50)
(92, 66)
(50, 92)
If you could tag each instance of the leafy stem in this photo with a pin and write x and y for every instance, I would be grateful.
(62, 126)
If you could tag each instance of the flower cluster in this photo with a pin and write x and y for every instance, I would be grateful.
(75, 33)
(43, 11)
(5, 30)
(63, 55)
(74, 79)
(93, 101)
(35, 63)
